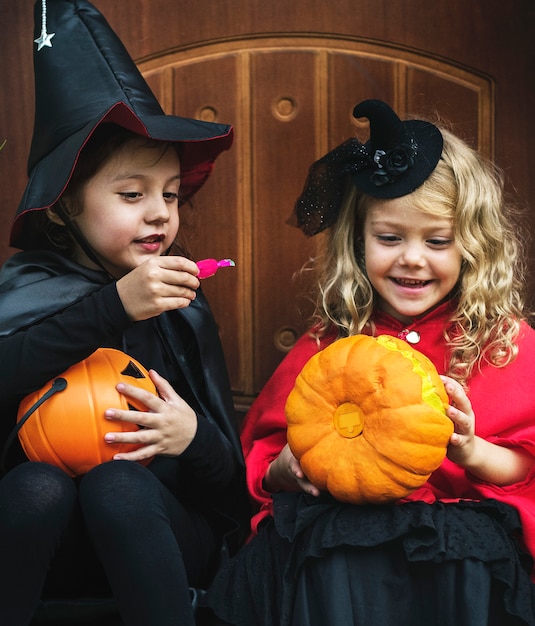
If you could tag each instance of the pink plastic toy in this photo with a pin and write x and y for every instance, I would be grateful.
(208, 267)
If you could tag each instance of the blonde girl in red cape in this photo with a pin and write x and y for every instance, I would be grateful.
(420, 245)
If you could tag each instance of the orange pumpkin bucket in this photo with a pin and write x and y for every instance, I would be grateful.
(67, 430)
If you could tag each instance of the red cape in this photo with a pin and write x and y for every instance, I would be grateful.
(503, 400)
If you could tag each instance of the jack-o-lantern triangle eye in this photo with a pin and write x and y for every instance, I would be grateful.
(133, 370)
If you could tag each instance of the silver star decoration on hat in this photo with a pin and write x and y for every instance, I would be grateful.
(44, 39)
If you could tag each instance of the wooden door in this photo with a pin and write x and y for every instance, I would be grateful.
(287, 75)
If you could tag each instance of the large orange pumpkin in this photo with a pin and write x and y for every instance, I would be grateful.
(366, 419)
(67, 429)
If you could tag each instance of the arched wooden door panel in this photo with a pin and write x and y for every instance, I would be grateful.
(292, 100)
(287, 75)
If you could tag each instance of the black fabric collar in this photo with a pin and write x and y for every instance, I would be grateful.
(36, 284)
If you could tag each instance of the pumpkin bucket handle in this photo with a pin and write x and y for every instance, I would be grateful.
(59, 384)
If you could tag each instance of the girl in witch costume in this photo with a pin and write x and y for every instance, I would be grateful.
(420, 247)
(96, 224)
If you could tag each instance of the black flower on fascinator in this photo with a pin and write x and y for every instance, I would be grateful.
(397, 159)
(393, 163)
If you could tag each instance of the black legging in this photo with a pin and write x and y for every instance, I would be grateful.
(150, 547)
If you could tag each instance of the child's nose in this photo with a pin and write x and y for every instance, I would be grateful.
(413, 255)
(158, 211)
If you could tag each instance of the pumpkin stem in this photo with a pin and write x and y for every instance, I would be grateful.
(349, 420)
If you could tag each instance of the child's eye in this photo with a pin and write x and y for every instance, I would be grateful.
(130, 195)
(170, 196)
(439, 243)
(388, 239)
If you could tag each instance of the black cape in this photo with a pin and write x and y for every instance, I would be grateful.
(36, 285)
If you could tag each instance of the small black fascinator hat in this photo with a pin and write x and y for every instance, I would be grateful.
(84, 77)
(397, 159)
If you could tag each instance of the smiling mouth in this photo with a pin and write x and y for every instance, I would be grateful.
(151, 239)
(408, 282)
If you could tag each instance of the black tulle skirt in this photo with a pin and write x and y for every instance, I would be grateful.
(324, 563)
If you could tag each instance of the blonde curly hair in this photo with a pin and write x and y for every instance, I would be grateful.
(489, 293)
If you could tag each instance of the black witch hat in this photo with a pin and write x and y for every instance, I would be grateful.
(397, 159)
(85, 77)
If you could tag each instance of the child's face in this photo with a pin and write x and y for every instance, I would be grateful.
(130, 208)
(411, 257)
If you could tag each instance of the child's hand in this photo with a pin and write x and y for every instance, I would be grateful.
(169, 425)
(462, 440)
(159, 284)
(487, 461)
(285, 474)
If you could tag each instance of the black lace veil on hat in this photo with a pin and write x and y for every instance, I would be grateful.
(397, 159)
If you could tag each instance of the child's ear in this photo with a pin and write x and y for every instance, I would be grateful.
(53, 216)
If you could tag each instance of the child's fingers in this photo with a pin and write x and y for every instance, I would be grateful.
(164, 388)
(457, 395)
(147, 399)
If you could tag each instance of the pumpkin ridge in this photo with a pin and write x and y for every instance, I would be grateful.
(367, 485)
(94, 424)
(317, 462)
(304, 390)
(432, 394)
(408, 477)
(302, 436)
(423, 424)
